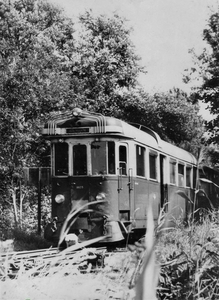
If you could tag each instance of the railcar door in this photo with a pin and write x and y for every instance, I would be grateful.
(124, 182)
(163, 185)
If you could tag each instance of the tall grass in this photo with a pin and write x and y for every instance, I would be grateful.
(148, 278)
(189, 262)
(169, 264)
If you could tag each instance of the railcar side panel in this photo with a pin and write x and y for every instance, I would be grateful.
(177, 203)
(145, 192)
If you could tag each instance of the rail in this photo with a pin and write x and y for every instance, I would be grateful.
(35, 260)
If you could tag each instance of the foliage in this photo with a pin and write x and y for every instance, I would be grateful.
(212, 155)
(206, 69)
(36, 41)
(106, 62)
(108, 72)
(189, 261)
(46, 66)
(35, 37)
(26, 220)
(178, 118)
(171, 115)
(24, 240)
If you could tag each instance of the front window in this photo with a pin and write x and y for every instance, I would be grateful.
(79, 160)
(103, 158)
(61, 159)
(98, 158)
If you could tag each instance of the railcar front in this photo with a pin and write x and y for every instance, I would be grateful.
(87, 151)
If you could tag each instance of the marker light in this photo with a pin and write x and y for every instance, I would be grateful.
(77, 112)
(59, 198)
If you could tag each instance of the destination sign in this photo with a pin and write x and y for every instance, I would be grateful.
(77, 130)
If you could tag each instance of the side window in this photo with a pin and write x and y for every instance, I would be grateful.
(122, 160)
(188, 176)
(181, 175)
(153, 165)
(111, 158)
(140, 161)
(172, 171)
(79, 159)
(61, 159)
(194, 177)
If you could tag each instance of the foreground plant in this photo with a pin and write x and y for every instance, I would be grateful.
(189, 262)
(72, 217)
(148, 279)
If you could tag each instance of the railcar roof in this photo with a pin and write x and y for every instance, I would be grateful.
(150, 138)
(78, 122)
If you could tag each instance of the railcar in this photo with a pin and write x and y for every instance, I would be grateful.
(94, 157)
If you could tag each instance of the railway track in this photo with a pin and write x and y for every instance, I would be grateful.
(12, 262)
(34, 261)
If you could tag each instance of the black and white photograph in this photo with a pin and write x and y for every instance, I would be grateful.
(109, 155)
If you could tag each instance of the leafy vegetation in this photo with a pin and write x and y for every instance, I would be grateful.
(181, 263)
(189, 261)
(204, 78)
(48, 64)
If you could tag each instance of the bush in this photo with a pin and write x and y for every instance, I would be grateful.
(28, 241)
(23, 228)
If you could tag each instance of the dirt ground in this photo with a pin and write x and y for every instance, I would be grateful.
(70, 281)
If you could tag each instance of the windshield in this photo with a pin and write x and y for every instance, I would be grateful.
(80, 160)
(103, 158)
(61, 159)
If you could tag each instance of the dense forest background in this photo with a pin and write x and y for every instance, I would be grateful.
(47, 64)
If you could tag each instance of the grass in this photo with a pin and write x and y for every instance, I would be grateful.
(176, 264)
(189, 259)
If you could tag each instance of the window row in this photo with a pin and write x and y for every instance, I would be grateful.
(102, 158)
(103, 161)
(181, 172)
(178, 173)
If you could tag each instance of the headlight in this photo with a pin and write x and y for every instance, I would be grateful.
(101, 196)
(59, 198)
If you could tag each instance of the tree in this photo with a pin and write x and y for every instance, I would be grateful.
(36, 42)
(45, 67)
(106, 62)
(172, 115)
(207, 68)
(107, 73)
